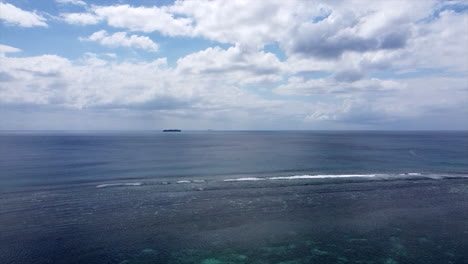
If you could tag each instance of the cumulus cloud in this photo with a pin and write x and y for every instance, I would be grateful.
(357, 26)
(315, 36)
(80, 18)
(95, 82)
(146, 19)
(246, 22)
(121, 39)
(312, 34)
(236, 63)
(336, 34)
(303, 27)
(73, 2)
(16, 16)
(151, 89)
(439, 43)
(7, 49)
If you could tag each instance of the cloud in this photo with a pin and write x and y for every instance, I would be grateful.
(7, 49)
(348, 75)
(154, 89)
(237, 64)
(300, 27)
(53, 80)
(257, 24)
(347, 39)
(439, 43)
(356, 26)
(428, 101)
(81, 18)
(370, 35)
(96, 83)
(327, 40)
(245, 22)
(351, 110)
(120, 39)
(73, 2)
(353, 64)
(146, 19)
(16, 16)
(300, 86)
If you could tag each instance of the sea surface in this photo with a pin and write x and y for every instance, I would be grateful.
(235, 197)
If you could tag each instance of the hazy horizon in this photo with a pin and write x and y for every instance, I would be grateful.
(232, 130)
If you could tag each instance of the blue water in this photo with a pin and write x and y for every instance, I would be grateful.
(234, 197)
(47, 158)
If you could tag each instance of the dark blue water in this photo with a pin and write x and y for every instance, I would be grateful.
(234, 197)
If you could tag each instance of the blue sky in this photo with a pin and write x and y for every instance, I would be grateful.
(74, 64)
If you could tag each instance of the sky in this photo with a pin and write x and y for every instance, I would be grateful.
(233, 65)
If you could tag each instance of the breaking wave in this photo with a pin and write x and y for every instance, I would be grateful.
(119, 184)
(246, 179)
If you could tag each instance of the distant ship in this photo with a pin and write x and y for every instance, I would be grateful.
(172, 130)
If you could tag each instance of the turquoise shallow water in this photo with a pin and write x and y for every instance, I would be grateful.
(239, 197)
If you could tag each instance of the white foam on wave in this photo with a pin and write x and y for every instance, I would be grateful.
(119, 184)
(245, 179)
(192, 181)
(183, 181)
(410, 174)
(296, 177)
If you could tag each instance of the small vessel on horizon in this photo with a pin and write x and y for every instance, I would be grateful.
(172, 130)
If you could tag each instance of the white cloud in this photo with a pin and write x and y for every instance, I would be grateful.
(7, 49)
(146, 19)
(145, 88)
(325, 29)
(372, 35)
(299, 86)
(81, 18)
(97, 82)
(332, 53)
(16, 16)
(120, 39)
(440, 43)
(418, 100)
(73, 2)
(246, 22)
(237, 64)
(258, 22)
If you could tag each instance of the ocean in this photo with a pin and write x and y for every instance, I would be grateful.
(213, 197)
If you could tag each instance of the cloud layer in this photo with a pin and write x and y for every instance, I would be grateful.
(275, 64)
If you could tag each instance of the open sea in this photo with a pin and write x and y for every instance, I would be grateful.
(240, 197)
